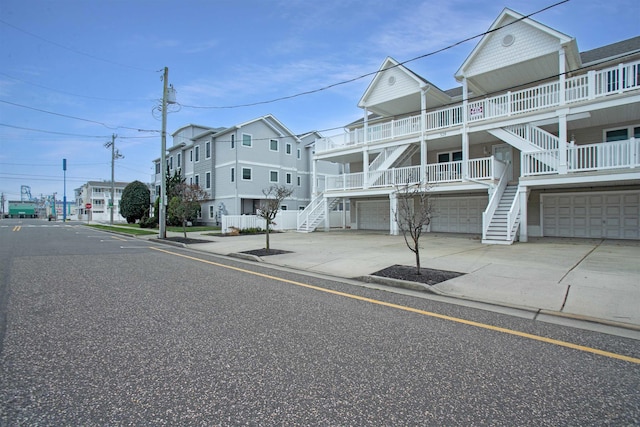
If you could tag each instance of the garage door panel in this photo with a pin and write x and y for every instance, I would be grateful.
(606, 215)
(458, 214)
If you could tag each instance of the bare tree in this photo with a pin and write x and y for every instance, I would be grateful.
(270, 206)
(185, 205)
(413, 217)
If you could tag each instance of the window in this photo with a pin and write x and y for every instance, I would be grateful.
(158, 190)
(288, 148)
(208, 180)
(179, 159)
(157, 168)
(299, 182)
(171, 162)
(233, 141)
(191, 155)
(197, 153)
(233, 174)
(273, 176)
(273, 145)
(246, 140)
(299, 154)
(621, 134)
(246, 174)
(288, 178)
(283, 207)
(212, 214)
(207, 150)
(452, 156)
(197, 180)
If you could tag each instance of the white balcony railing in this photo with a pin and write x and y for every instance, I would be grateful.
(584, 158)
(592, 85)
(478, 169)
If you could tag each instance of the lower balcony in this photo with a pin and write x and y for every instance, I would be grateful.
(483, 169)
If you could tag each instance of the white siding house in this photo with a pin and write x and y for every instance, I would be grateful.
(539, 140)
(235, 164)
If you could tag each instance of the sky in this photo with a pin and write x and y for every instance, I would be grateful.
(73, 73)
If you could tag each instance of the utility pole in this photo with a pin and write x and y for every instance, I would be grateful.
(64, 194)
(163, 160)
(114, 155)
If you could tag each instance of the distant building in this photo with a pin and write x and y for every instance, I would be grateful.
(93, 201)
(233, 165)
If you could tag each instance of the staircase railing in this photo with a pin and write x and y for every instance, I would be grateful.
(310, 212)
(536, 136)
(494, 201)
(512, 216)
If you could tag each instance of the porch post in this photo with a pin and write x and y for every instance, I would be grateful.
(465, 133)
(423, 141)
(314, 179)
(523, 194)
(394, 230)
(344, 213)
(365, 151)
(562, 146)
(327, 218)
(561, 72)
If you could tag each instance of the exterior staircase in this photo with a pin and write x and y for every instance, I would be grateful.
(497, 231)
(390, 158)
(530, 139)
(315, 213)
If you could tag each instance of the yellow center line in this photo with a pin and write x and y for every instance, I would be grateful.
(17, 228)
(421, 312)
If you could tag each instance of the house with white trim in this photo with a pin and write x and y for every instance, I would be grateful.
(235, 164)
(539, 140)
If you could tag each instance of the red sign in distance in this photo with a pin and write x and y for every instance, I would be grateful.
(87, 206)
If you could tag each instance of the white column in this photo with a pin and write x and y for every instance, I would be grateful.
(561, 73)
(365, 151)
(327, 222)
(524, 195)
(562, 146)
(394, 230)
(423, 140)
(465, 133)
(314, 178)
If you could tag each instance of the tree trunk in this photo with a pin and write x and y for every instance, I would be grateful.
(417, 260)
(184, 228)
(267, 248)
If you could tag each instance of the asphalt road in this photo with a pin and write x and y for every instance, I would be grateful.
(100, 329)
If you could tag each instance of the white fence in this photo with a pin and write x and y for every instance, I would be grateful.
(284, 220)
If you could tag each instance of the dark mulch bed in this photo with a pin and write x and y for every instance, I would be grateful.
(428, 276)
(263, 252)
(187, 240)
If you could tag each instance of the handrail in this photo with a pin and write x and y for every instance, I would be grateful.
(494, 201)
(512, 215)
(304, 215)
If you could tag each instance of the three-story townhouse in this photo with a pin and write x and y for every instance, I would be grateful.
(539, 140)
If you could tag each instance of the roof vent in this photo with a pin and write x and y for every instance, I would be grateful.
(508, 40)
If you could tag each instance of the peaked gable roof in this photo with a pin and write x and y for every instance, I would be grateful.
(509, 18)
(611, 51)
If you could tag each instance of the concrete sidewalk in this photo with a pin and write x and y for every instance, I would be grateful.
(589, 279)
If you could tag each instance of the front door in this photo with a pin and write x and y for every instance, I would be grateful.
(504, 153)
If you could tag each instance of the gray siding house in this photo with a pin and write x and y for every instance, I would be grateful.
(234, 164)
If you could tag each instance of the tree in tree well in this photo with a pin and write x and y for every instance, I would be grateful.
(185, 205)
(413, 213)
(270, 206)
(135, 201)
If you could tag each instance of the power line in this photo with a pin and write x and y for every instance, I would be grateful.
(52, 132)
(309, 92)
(76, 118)
(73, 94)
(78, 52)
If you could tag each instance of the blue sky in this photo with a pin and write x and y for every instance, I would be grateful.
(74, 72)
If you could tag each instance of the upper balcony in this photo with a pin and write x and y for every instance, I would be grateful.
(588, 86)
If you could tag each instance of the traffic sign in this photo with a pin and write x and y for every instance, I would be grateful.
(87, 206)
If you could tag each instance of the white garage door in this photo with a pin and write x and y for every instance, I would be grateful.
(612, 215)
(373, 215)
(458, 214)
